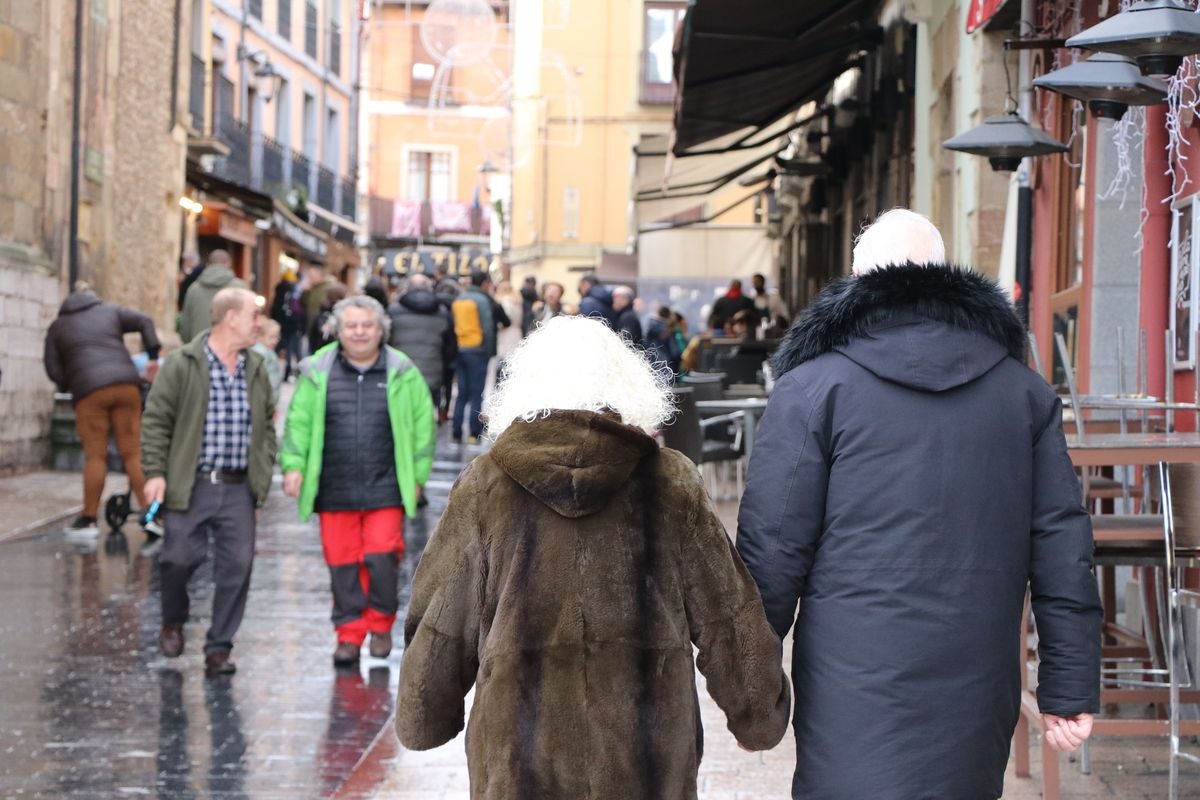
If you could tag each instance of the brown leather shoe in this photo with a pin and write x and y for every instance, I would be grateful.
(218, 663)
(170, 639)
(346, 654)
(381, 645)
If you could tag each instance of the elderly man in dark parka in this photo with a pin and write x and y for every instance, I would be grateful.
(911, 479)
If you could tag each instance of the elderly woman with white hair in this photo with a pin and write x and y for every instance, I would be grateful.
(575, 567)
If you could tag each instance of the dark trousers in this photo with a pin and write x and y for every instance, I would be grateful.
(471, 370)
(227, 510)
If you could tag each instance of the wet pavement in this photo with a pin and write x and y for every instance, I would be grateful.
(91, 709)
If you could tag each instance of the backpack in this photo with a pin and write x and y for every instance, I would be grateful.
(468, 327)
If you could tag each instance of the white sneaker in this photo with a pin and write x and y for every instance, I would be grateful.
(83, 529)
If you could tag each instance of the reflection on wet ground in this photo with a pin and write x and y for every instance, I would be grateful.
(89, 708)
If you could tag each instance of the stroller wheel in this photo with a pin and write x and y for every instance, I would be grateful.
(117, 510)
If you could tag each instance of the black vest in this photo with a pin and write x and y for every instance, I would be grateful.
(358, 464)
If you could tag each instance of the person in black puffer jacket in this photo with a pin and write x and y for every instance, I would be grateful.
(423, 330)
(85, 354)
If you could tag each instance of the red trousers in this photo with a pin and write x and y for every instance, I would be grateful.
(363, 550)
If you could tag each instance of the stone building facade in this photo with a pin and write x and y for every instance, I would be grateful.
(132, 149)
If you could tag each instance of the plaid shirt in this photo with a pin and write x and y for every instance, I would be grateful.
(226, 441)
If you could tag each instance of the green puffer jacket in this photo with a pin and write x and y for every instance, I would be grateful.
(409, 408)
(173, 423)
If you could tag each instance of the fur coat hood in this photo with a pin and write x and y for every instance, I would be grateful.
(947, 324)
(573, 461)
(574, 569)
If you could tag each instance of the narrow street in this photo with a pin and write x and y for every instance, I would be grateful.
(93, 710)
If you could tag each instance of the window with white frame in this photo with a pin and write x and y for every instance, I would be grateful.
(428, 176)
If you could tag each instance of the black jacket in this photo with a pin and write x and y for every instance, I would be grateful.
(84, 349)
(358, 463)
(629, 326)
(910, 478)
(423, 330)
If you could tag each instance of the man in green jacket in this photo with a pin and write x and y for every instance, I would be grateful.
(357, 447)
(208, 451)
(194, 316)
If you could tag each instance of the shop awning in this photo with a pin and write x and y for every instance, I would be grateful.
(745, 65)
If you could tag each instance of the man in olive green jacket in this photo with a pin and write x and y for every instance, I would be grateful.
(208, 450)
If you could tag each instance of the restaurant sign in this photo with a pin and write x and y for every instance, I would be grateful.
(981, 12)
(299, 236)
(430, 259)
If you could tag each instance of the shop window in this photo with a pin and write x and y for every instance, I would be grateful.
(428, 177)
(660, 23)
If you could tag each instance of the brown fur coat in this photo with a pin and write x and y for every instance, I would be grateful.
(575, 567)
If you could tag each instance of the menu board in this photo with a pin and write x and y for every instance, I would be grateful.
(1183, 282)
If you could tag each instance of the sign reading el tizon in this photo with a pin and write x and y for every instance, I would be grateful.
(429, 260)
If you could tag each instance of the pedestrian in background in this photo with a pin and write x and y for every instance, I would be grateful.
(320, 332)
(529, 298)
(507, 336)
(208, 449)
(267, 347)
(447, 291)
(595, 300)
(190, 268)
(575, 567)
(726, 306)
(85, 355)
(910, 479)
(476, 321)
(288, 311)
(358, 446)
(216, 276)
(423, 330)
(313, 297)
(627, 324)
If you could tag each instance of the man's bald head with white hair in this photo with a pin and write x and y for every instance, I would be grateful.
(898, 237)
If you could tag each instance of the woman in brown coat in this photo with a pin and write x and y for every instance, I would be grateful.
(575, 567)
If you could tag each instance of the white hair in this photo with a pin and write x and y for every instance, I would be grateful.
(579, 364)
(898, 237)
(361, 301)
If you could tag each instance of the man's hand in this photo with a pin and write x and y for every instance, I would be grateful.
(151, 370)
(291, 483)
(1066, 734)
(155, 490)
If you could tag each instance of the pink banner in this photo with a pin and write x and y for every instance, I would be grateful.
(406, 219)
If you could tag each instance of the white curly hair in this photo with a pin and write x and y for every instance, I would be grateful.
(579, 364)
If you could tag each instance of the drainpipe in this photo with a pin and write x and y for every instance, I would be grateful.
(243, 73)
(1024, 265)
(1155, 290)
(76, 144)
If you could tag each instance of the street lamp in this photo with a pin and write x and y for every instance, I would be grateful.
(1108, 83)
(1155, 33)
(1004, 140)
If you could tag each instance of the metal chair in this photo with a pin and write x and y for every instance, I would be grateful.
(690, 434)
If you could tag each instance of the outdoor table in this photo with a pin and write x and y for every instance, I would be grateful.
(1105, 450)
(752, 406)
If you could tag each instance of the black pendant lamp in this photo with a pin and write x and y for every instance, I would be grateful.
(1158, 34)
(1004, 140)
(1107, 83)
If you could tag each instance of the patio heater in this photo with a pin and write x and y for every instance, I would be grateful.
(1004, 140)
(1157, 34)
(1107, 83)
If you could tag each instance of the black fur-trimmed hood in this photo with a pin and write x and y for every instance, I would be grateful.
(848, 314)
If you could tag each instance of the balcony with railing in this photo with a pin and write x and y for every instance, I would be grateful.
(196, 97)
(275, 160)
(424, 219)
(234, 167)
(349, 198)
(326, 188)
(302, 170)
